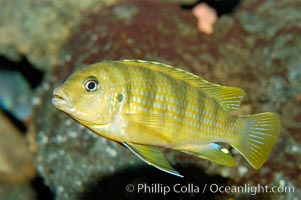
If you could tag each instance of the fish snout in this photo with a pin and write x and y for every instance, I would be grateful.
(60, 99)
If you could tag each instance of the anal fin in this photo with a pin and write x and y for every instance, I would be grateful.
(153, 156)
(213, 152)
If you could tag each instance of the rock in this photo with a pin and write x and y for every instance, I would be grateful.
(16, 163)
(256, 48)
(16, 192)
(39, 29)
(15, 94)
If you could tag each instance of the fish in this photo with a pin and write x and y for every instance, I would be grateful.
(149, 107)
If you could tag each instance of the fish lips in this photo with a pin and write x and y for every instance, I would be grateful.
(61, 101)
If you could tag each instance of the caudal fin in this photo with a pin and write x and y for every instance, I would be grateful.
(258, 135)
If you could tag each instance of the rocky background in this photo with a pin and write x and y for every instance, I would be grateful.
(257, 47)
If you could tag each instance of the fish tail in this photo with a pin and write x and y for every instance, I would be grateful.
(257, 136)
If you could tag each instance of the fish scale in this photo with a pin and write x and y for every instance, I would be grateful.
(147, 106)
(157, 95)
(185, 108)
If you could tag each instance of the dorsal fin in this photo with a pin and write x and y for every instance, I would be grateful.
(228, 97)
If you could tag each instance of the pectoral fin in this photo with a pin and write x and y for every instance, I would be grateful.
(152, 121)
(153, 156)
(144, 127)
(215, 153)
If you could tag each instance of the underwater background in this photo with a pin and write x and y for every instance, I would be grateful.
(255, 45)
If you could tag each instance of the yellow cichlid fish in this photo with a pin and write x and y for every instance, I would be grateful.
(148, 105)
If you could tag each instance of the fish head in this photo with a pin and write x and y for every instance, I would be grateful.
(86, 97)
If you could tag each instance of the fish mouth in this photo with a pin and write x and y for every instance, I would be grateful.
(61, 101)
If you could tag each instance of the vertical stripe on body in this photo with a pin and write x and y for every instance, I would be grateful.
(143, 90)
(217, 125)
(119, 82)
(188, 114)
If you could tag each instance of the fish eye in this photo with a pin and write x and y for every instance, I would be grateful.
(91, 84)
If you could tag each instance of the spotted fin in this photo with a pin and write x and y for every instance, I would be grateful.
(153, 156)
(258, 135)
(213, 152)
(228, 97)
